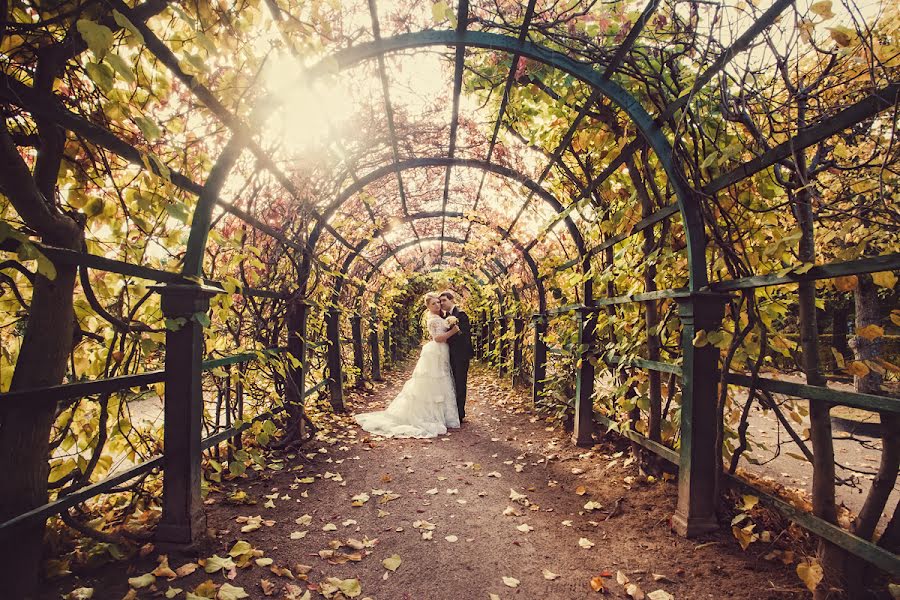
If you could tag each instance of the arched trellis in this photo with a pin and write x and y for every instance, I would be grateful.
(814, 133)
(520, 248)
(687, 202)
(488, 167)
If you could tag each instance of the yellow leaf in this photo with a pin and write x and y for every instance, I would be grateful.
(700, 338)
(870, 332)
(858, 368)
(810, 573)
(597, 584)
(749, 502)
(823, 9)
(142, 581)
(846, 283)
(580, 490)
(841, 36)
(392, 563)
(885, 279)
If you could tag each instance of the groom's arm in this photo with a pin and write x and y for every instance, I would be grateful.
(464, 325)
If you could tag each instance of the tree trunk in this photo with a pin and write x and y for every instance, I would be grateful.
(866, 301)
(25, 427)
(831, 557)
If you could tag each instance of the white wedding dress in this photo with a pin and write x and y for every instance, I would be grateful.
(426, 406)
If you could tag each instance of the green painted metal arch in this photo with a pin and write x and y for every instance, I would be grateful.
(687, 201)
(532, 265)
(686, 198)
(420, 163)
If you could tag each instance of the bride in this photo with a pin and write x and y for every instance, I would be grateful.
(426, 406)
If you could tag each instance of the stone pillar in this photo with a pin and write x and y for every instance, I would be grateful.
(298, 362)
(335, 372)
(540, 357)
(518, 376)
(373, 346)
(584, 378)
(502, 346)
(696, 509)
(358, 362)
(183, 521)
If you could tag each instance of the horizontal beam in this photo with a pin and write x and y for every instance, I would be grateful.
(64, 256)
(83, 389)
(873, 264)
(817, 393)
(655, 447)
(866, 108)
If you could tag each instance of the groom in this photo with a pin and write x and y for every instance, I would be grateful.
(460, 349)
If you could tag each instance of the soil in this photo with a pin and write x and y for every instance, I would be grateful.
(463, 484)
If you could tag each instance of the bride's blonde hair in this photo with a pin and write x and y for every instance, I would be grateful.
(428, 297)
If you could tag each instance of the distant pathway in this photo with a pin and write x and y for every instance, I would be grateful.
(494, 510)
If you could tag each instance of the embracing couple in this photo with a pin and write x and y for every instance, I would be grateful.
(434, 397)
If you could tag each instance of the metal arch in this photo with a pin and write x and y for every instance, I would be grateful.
(360, 287)
(687, 200)
(345, 268)
(417, 163)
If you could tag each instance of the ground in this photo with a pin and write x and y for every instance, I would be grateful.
(506, 507)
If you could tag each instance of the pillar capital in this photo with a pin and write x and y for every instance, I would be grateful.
(184, 299)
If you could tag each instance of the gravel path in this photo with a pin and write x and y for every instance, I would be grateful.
(496, 509)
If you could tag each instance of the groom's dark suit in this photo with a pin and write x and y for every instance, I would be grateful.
(460, 355)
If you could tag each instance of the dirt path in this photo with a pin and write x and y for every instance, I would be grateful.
(500, 498)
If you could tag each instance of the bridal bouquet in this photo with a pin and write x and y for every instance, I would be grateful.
(451, 321)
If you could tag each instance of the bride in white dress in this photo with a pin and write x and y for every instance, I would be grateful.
(426, 406)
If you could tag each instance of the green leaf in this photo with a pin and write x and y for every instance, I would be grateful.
(121, 66)
(175, 324)
(99, 38)
(102, 75)
(202, 318)
(123, 22)
(148, 128)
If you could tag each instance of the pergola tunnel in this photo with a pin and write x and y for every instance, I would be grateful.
(670, 222)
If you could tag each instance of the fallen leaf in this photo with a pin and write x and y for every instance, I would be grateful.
(511, 582)
(580, 490)
(597, 584)
(660, 595)
(525, 528)
(810, 573)
(585, 543)
(142, 581)
(550, 575)
(392, 563)
(216, 563)
(267, 586)
(633, 590)
(172, 592)
(82, 593)
(298, 535)
(230, 592)
(264, 562)
(329, 527)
